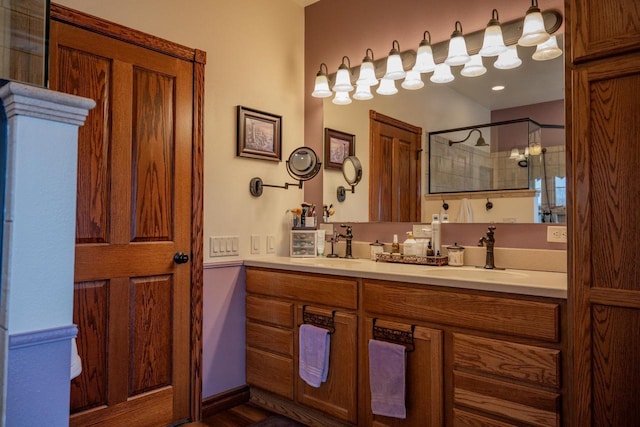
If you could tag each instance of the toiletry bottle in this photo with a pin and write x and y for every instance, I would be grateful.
(429, 250)
(395, 246)
(409, 245)
(435, 232)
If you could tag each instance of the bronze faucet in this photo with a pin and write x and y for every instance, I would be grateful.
(489, 241)
(348, 236)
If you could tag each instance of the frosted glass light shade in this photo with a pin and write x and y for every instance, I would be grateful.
(515, 154)
(367, 75)
(547, 50)
(493, 44)
(442, 74)
(341, 98)
(533, 30)
(424, 58)
(343, 80)
(458, 54)
(363, 92)
(509, 59)
(321, 88)
(413, 81)
(474, 68)
(387, 87)
(394, 68)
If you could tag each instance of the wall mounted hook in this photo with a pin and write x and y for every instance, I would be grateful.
(488, 205)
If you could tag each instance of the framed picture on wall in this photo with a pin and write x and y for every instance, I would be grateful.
(259, 134)
(337, 146)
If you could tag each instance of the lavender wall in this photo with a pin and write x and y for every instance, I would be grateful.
(223, 329)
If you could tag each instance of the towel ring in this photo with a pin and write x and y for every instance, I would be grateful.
(326, 322)
(394, 335)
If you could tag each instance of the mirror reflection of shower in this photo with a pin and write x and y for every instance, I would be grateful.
(548, 177)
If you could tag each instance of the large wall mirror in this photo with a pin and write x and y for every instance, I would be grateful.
(534, 90)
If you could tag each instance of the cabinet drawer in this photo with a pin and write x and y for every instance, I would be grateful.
(466, 419)
(519, 403)
(529, 319)
(270, 339)
(327, 290)
(270, 372)
(277, 313)
(536, 365)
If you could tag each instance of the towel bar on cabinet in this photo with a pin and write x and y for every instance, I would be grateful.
(319, 320)
(394, 336)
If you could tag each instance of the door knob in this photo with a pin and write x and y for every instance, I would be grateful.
(180, 258)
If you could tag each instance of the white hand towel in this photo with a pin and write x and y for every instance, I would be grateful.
(314, 354)
(465, 214)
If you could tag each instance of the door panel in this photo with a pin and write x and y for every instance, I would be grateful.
(134, 213)
(394, 177)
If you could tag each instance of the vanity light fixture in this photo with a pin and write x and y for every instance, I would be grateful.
(424, 57)
(321, 89)
(533, 30)
(387, 87)
(343, 77)
(367, 75)
(493, 43)
(394, 63)
(480, 142)
(509, 59)
(413, 81)
(442, 74)
(458, 54)
(547, 50)
(474, 68)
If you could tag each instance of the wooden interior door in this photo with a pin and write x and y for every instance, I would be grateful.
(134, 206)
(394, 169)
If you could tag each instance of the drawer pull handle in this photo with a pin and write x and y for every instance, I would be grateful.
(394, 336)
(319, 320)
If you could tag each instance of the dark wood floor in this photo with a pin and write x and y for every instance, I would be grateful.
(238, 416)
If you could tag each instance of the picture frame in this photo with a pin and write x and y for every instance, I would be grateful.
(337, 146)
(259, 134)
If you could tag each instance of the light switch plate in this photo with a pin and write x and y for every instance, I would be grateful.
(255, 244)
(271, 244)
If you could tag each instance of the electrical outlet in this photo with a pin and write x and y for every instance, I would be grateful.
(557, 234)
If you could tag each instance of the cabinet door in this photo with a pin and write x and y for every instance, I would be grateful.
(424, 382)
(603, 27)
(338, 395)
(605, 269)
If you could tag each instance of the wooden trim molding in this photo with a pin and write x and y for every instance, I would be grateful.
(225, 400)
(198, 58)
(374, 115)
(126, 34)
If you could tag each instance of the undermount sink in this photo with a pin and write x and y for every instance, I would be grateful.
(472, 273)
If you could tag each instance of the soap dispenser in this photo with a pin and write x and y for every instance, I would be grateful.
(395, 246)
(435, 233)
(409, 245)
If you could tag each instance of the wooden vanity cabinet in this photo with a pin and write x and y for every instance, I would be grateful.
(275, 303)
(503, 355)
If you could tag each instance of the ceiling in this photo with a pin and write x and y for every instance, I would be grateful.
(531, 83)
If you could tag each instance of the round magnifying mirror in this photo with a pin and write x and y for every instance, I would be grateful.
(352, 170)
(303, 164)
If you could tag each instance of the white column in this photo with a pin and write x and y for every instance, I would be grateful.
(38, 250)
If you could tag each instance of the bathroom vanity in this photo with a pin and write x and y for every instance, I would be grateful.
(483, 347)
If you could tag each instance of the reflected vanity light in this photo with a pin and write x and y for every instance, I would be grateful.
(474, 68)
(547, 50)
(442, 74)
(509, 59)
(413, 81)
(363, 92)
(387, 87)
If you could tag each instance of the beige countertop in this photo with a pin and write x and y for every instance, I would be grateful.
(523, 282)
